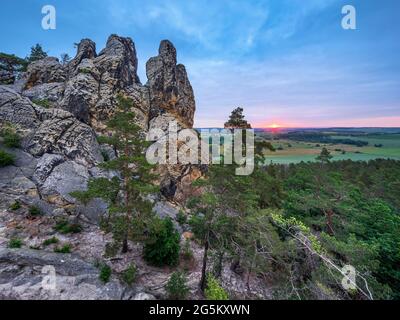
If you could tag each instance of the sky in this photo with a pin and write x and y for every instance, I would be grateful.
(286, 62)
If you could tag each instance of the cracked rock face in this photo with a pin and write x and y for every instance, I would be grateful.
(170, 89)
(59, 109)
(21, 277)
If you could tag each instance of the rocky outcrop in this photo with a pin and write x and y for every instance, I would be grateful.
(23, 275)
(170, 89)
(47, 70)
(59, 109)
(49, 130)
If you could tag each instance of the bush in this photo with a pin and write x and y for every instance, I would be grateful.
(50, 241)
(176, 286)
(42, 103)
(15, 243)
(214, 291)
(66, 248)
(129, 275)
(6, 159)
(10, 138)
(15, 206)
(63, 226)
(34, 211)
(105, 273)
(162, 247)
(181, 217)
(187, 252)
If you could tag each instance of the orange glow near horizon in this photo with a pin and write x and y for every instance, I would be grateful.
(274, 126)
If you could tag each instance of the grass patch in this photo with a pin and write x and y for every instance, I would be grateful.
(34, 211)
(15, 206)
(181, 217)
(42, 103)
(52, 240)
(6, 159)
(105, 273)
(63, 226)
(15, 243)
(66, 248)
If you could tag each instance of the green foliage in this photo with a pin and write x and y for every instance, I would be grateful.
(105, 273)
(176, 287)
(237, 120)
(15, 243)
(12, 63)
(214, 291)
(129, 274)
(162, 246)
(63, 226)
(52, 240)
(37, 53)
(187, 253)
(181, 217)
(131, 214)
(6, 159)
(11, 139)
(15, 205)
(66, 248)
(64, 59)
(34, 211)
(45, 103)
(84, 70)
(325, 156)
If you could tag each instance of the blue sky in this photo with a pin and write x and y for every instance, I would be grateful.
(285, 61)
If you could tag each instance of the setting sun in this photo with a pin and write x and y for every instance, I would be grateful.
(274, 126)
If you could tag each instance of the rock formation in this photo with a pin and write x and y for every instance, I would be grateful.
(59, 110)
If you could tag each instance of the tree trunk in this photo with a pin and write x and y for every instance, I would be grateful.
(204, 269)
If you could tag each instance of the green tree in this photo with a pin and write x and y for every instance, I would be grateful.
(176, 286)
(37, 53)
(325, 156)
(65, 58)
(237, 120)
(162, 245)
(131, 214)
(12, 63)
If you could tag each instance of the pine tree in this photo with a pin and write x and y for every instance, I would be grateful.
(130, 211)
(237, 120)
(37, 53)
(325, 156)
(65, 58)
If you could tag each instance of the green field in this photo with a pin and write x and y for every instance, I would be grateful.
(298, 151)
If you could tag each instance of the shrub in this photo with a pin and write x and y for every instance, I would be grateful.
(50, 241)
(42, 103)
(181, 217)
(10, 138)
(66, 248)
(176, 286)
(6, 159)
(187, 252)
(63, 226)
(214, 291)
(15, 206)
(84, 71)
(15, 243)
(129, 275)
(34, 211)
(162, 247)
(105, 273)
